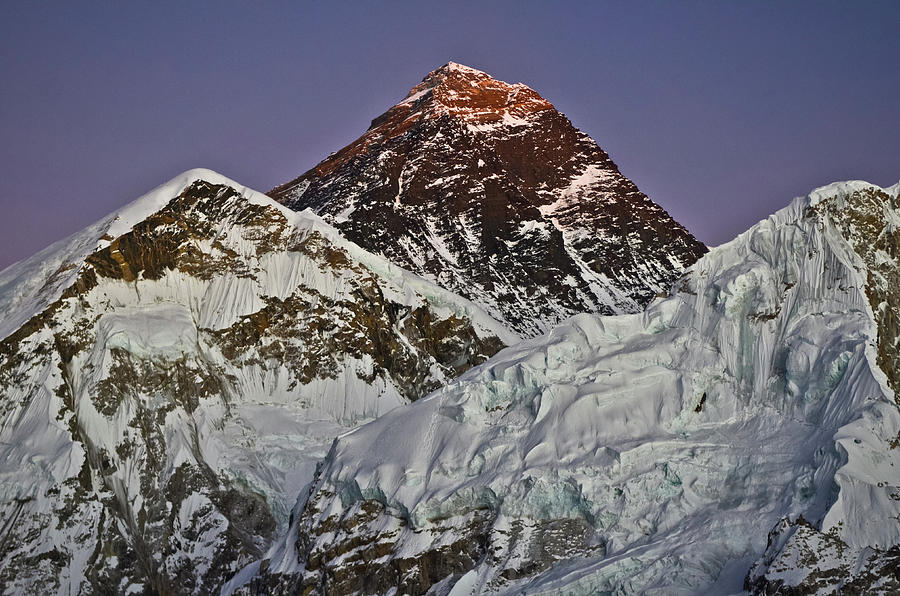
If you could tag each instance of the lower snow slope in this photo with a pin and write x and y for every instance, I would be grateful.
(649, 453)
(170, 376)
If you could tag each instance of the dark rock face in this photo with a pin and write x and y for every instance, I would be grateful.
(413, 574)
(485, 188)
(365, 550)
(801, 560)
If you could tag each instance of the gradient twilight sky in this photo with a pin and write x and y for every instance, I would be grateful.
(720, 111)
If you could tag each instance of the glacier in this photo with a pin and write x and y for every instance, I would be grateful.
(747, 417)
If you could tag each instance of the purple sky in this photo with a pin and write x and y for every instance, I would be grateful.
(721, 112)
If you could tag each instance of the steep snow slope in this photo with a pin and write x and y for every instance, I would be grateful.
(485, 188)
(649, 453)
(170, 376)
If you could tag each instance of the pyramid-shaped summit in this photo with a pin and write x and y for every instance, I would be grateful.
(485, 188)
(473, 96)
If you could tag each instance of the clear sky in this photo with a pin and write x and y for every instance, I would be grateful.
(720, 111)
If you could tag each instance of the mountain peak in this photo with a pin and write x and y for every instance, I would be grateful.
(472, 95)
(484, 187)
(215, 276)
(452, 71)
(462, 69)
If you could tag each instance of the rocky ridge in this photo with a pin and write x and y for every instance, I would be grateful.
(486, 189)
(171, 375)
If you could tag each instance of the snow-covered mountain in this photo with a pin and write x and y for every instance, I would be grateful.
(743, 431)
(170, 376)
(486, 189)
(171, 379)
